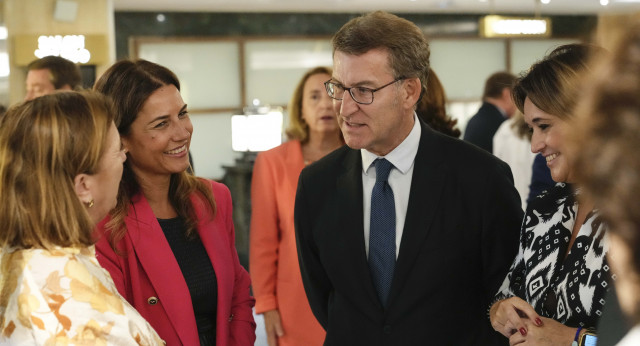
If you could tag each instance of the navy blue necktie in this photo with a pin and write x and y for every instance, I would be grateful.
(382, 236)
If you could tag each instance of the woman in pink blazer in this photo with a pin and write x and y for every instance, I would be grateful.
(277, 283)
(169, 243)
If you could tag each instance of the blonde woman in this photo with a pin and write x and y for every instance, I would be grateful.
(60, 165)
(554, 292)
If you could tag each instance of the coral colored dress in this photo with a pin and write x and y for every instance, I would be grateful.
(273, 261)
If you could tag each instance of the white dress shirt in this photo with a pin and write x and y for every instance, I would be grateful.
(402, 158)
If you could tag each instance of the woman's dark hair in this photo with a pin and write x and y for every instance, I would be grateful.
(432, 108)
(129, 84)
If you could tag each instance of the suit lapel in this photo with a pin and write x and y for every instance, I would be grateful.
(350, 209)
(156, 257)
(429, 173)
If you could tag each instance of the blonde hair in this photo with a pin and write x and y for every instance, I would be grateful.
(44, 144)
(298, 128)
(552, 84)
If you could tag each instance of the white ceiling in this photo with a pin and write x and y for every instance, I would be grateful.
(525, 7)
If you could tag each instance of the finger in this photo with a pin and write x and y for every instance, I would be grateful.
(516, 339)
(525, 310)
(510, 329)
(278, 328)
(271, 338)
(515, 322)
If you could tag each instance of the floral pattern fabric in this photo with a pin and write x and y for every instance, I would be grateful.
(64, 297)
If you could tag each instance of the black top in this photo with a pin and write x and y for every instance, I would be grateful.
(198, 273)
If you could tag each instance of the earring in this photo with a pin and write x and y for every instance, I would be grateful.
(90, 204)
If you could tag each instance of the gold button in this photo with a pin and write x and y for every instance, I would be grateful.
(152, 300)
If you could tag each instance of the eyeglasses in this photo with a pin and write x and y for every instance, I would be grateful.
(361, 95)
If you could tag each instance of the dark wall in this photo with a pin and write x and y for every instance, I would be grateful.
(130, 24)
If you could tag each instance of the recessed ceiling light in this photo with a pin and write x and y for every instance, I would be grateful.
(604, 2)
(545, 1)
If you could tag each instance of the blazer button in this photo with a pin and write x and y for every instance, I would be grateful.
(152, 300)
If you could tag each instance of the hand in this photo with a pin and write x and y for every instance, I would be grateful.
(507, 316)
(550, 333)
(273, 325)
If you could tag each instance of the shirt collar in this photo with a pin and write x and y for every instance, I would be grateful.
(403, 156)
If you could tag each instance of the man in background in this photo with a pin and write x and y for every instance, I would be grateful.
(496, 107)
(49, 74)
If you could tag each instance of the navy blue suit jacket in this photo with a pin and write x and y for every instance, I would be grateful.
(483, 126)
(459, 239)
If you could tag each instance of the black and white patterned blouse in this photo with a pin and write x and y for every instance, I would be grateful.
(570, 290)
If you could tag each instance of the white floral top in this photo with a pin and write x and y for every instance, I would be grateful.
(64, 297)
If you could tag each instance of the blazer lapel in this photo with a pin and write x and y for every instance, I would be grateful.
(429, 175)
(156, 257)
(350, 211)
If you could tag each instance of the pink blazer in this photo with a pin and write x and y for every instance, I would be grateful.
(147, 274)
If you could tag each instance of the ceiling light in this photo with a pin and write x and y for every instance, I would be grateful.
(545, 1)
(604, 2)
(499, 26)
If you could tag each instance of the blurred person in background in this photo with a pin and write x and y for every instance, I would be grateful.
(51, 73)
(607, 166)
(60, 166)
(432, 107)
(512, 144)
(497, 106)
(277, 285)
(169, 244)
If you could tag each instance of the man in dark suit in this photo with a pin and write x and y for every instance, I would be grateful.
(454, 212)
(496, 107)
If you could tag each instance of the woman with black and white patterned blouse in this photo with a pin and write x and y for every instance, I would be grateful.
(554, 291)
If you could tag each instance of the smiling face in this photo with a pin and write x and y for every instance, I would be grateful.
(548, 139)
(381, 126)
(317, 108)
(159, 138)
